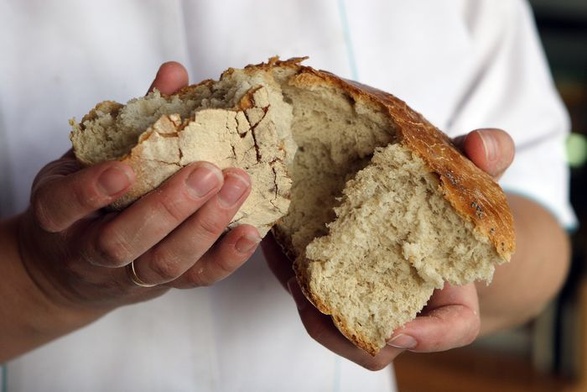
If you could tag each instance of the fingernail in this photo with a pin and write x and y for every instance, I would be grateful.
(247, 243)
(114, 180)
(203, 180)
(235, 186)
(297, 294)
(402, 341)
(490, 145)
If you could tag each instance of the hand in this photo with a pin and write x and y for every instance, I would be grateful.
(451, 318)
(77, 253)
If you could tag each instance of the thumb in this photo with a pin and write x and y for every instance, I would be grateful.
(492, 150)
(170, 77)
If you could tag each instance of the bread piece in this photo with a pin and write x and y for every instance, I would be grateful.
(236, 122)
(384, 209)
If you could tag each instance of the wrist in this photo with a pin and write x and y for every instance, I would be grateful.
(29, 314)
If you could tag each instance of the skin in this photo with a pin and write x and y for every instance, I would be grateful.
(65, 259)
(456, 316)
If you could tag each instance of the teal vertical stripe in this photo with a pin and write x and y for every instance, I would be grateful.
(348, 39)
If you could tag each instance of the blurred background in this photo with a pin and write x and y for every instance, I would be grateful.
(550, 354)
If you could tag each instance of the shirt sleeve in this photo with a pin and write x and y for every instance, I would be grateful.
(513, 90)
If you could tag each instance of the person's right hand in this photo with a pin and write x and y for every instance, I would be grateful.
(78, 253)
(452, 317)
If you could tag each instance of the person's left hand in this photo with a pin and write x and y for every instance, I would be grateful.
(451, 318)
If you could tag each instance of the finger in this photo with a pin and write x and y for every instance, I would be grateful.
(63, 194)
(492, 150)
(228, 254)
(321, 328)
(170, 77)
(138, 228)
(453, 324)
(188, 243)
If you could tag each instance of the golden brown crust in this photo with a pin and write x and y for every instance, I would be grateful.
(473, 193)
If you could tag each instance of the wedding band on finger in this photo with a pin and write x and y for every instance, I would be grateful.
(132, 273)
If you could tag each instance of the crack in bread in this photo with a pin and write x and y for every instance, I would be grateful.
(373, 204)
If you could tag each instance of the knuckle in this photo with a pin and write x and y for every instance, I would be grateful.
(165, 266)
(199, 276)
(112, 248)
(208, 271)
(42, 214)
(222, 269)
(211, 227)
(172, 209)
(85, 198)
(54, 211)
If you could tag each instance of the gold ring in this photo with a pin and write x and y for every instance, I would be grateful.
(132, 273)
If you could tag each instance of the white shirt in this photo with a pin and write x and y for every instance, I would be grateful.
(463, 64)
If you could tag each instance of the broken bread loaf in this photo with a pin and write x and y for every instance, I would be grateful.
(236, 122)
(374, 205)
